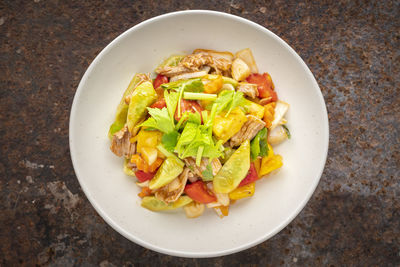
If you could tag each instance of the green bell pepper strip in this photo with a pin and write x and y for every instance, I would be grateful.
(154, 204)
(234, 170)
(141, 98)
(122, 109)
(168, 171)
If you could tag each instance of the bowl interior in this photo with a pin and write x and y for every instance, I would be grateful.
(278, 198)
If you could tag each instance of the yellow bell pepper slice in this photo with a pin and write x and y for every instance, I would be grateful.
(254, 108)
(213, 86)
(226, 127)
(270, 163)
(243, 191)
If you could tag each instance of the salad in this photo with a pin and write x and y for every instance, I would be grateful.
(201, 133)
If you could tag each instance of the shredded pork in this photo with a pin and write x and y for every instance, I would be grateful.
(121, 145)
(248, 89)
(198, 170)
(172, 191)
(249, 129)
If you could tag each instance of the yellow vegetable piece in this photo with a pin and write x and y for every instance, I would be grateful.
(269, 164)
(222, 211)
(269, 114)
(143, 96)
(226, 127)
(213, 86)
(149, 154)
(247, 56)
(243, 191)
(257, 165)
(234, 170)
(154, 204)
(254, 108)
(148, 139)
(225, 79)
(168, 171)
(240, 70)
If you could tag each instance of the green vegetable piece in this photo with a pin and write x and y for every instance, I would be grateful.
(127, 170)
(141, 98)
(234, 170)
(154, 204)
(199, 96)
(168, 154)
(159, 120)
(172, 61)
(287, 131)
(168, 171)
(259, 144)
(170, 140)
(208, 173)
(122, 109)
(171, 99)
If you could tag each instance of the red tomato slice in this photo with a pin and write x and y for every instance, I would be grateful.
(160, 79)
(199, 192)
(188, 105)
(144, 176)
(159, 104)
(251, 176)
(264, 85)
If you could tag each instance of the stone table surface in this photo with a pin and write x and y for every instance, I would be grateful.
(353, 49)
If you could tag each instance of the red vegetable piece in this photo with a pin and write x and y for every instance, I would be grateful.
(251, 176)
(159, 104)
(199, 192)
(144, 176)
(264, 85)
(188, 105)
(159, 80)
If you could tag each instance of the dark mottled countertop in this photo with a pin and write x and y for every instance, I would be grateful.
(353, 49)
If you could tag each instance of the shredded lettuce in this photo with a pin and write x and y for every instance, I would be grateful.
(228, 100)
(191, 85)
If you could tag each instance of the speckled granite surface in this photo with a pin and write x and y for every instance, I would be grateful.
(353, 49)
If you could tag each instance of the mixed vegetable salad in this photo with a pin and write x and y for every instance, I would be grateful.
(201, 133)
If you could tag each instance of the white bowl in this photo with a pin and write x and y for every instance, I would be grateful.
(277, 200)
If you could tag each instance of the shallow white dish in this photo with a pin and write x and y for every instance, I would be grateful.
(277, 200)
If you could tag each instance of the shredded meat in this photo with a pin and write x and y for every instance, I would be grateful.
(172, 191)
(170, 71)
(198, 170)
(249, 129)
(248, 89)
(195, 61)
(121, 145)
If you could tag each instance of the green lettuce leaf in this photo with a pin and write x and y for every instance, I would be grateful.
(170, 140)
(171, 99)
(159, 120)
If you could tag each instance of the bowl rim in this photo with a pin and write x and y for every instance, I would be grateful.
(143, 243)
